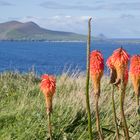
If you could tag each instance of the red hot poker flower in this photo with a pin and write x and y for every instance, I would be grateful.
(120, 60)
(96, 69)
(120, 57)
(135, 73)
(113, 74)
(48, 86)
(96, 62)
(117, 64)
(96, 72)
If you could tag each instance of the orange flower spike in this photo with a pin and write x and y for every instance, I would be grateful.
(48, 86)
(96, 72)
(120, 60)
(135, 73)
(96, 69)
(113, 77)
(117, 64)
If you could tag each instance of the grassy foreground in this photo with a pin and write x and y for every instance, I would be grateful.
(23, 112)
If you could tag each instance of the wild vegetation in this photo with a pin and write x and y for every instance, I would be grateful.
(23, 112)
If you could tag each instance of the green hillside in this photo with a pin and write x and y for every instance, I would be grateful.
(15, 30)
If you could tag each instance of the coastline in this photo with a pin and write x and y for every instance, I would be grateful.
(117, 41)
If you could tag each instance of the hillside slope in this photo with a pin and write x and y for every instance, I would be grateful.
(15, 30)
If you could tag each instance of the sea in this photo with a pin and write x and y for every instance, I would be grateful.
(53, 57)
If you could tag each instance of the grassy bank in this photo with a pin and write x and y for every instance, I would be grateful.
(23, 113)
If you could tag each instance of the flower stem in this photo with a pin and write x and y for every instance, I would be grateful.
(138, 108)
(49, 125)
(87, 82)
(122, 94)
(114, 112)
(98, 120)
(137, 98)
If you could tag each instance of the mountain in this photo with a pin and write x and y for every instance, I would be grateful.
(15, 30)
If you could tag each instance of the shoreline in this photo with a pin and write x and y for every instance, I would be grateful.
(116, 41)
(42, 41)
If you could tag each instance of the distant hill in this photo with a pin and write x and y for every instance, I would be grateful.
(124, 41)
(15, 30)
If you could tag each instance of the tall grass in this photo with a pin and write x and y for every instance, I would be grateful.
(23, 111)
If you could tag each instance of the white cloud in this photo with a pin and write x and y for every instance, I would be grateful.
(84, 6)
(76, 24)
(118, 27)
(110, 27)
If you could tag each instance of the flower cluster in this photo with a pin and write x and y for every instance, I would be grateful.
(118, 65)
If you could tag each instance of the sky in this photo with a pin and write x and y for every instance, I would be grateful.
(114, 19)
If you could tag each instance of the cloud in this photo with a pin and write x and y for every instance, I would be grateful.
(117, 27)
(77, 24)
(123, 6)
(101, 5)
(4, 3)
(55, 5)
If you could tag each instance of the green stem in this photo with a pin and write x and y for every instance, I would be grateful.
(49, 126)
(114, 112)
(122, 94)
(98, 120)
(87, 82)
(137, 98)
(138, 108)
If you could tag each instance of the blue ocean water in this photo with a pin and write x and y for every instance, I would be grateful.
(52, 57)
